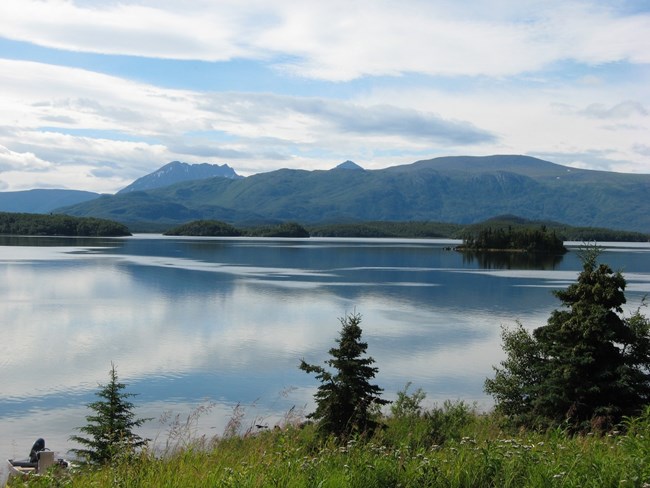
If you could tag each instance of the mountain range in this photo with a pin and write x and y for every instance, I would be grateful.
(176, 171)
(461, 189)
(41, 201)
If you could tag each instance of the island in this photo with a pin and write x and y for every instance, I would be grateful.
(26, 224)
(204, 228)
(216, 228)
(511, 239)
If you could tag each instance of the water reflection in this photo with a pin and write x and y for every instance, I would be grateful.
(189, 321)
(59, 241)
(512, 260)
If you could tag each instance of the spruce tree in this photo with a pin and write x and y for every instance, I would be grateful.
(346, 400)
(587, 367)
(110, 427)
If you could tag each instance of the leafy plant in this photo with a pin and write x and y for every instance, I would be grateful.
(408, 405)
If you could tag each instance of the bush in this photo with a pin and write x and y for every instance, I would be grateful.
(587, 368)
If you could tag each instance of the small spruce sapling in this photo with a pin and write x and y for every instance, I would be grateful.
(110, 426)
(346, 400)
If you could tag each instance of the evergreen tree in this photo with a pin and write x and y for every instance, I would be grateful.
(110, 427)
(346, 401)
(588, 366)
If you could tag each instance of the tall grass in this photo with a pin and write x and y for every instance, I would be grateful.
(447, 446)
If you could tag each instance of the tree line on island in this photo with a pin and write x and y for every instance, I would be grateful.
(535, 240)
(506, 232)
(582, 378)
(27, 224)
(487, 234)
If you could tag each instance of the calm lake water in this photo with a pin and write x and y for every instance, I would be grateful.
(197, 321)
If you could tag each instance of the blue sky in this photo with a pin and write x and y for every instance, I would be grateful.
(95, 94)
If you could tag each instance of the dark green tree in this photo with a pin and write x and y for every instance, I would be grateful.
(346, 400)
(587, 367)
(110, 427)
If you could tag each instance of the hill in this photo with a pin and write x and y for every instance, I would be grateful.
(177, 171)
(42, 201)
(463, 190)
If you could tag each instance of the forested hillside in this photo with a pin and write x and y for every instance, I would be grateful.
(461, 190)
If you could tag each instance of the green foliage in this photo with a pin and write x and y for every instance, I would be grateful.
(110, 427)
(286, 229)
(412, 229)
(477, 455)
(462, 190)
(564, 232)
(204, 228)
(220, 229)
(59, 225)
(406, 405)
(538, 240)
(449, 421)
(422, 229)
(346, 400)
(587, 367)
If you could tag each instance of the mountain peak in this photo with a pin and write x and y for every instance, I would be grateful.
(349, 165)
(177, 171)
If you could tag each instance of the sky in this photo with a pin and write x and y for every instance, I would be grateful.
(97, 93)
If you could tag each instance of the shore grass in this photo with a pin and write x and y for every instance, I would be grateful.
(450, 446)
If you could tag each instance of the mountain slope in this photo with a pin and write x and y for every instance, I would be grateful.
(176, 172)
(462, 190)
(42, 201)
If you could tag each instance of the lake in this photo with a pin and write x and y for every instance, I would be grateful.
(192, 322)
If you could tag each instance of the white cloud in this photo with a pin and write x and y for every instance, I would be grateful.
(341, 40)
(622, 110)
(566, 121)
(83, 125)
(496, 77)
(10, 160)
(126, 28)
(36, 94)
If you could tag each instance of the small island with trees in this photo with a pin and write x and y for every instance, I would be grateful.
(504, 233)
(26, 224)
(216, 228)
(524, 239)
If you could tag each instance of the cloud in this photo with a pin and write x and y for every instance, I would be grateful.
(390, 121)
(130, 28)
(208, 150)
(319, 116)
(600, 160)
(411, 80)
(642, 149)
(341, 40)
(105, 125)
(104, 102)
(621, 110)
(24, 161)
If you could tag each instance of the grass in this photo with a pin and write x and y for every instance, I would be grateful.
(448, 446)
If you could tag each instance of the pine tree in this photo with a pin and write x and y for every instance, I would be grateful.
(588, 366)
(346, 401)
(110, 428)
